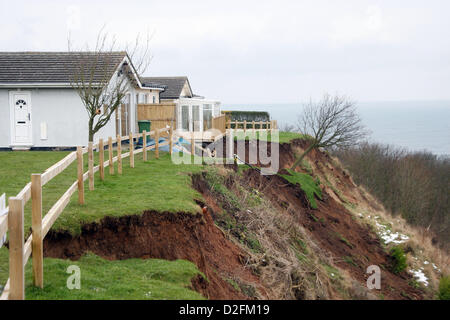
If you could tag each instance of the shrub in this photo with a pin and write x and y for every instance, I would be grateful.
(444, 288)
(411, 184)
(399, 259)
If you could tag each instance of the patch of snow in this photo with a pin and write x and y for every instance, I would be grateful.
(389, 236)
(435, 267)
(425, 262)
(420, 276)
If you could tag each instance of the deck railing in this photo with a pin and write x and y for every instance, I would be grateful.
(252, 125)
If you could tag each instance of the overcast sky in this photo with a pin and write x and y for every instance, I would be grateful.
(261, 51)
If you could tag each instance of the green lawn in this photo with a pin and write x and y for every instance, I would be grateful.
(157, 184)
(100, 279)
(284, 137)
(103, 279)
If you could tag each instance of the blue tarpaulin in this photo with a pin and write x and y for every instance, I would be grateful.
(177, 145)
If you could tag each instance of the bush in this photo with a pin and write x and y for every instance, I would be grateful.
(411, 184)
(444, 288)
(399, 259)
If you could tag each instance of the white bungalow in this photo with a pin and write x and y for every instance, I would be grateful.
(40, 109)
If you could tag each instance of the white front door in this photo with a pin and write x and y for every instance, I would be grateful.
(21, 133)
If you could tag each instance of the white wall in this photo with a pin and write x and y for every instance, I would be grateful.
(150, 94)
(64, 114)
(186, 92)
(4, 118)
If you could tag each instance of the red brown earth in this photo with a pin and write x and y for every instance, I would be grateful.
(162, 235)
(196, 238)
(353, 246)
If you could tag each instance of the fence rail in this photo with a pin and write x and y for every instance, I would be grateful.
(252, 125)
(12, 221)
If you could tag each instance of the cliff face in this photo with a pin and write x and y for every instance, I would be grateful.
(258, 237)
(327, 250)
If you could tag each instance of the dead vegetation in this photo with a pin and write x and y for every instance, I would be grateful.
(290, 264)
(421, 249)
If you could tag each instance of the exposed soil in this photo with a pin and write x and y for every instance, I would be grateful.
(196, 238)
(353, 246)
(167, 236)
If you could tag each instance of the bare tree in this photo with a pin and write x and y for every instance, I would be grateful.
(331, 122)
(93, 75)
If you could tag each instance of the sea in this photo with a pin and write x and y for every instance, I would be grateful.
(413, 125)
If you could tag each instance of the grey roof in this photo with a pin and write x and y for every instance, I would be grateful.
(173, 85)
(53, 67)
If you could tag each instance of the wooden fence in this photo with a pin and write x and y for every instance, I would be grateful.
(253, 125)
(219, 123)
(13, 222)
(161, 115)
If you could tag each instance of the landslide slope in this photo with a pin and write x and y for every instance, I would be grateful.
(261, 237)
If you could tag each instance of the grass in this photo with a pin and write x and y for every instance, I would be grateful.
(134, 279)
(17, 167)
(398, 259)
(307, 183)
(332, 272)
(444, 288)
(343, 239)
(350, 261)
(283, 137)
(157, 184)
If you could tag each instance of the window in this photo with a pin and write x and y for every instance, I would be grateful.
(185, 118)
(207, 116)
(196, 117)
(154, 99)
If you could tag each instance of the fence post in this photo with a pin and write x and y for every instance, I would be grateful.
(110, 155)
(192, 144)
(80, 175)
(170, 139)
(119, 154)
(157, 143)
(245, 126)
(144, 145)
(91, 165)
(36, 229)
(131, 150)
(235, 127)
(16, 267)
(101, 159)
(254, 126)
